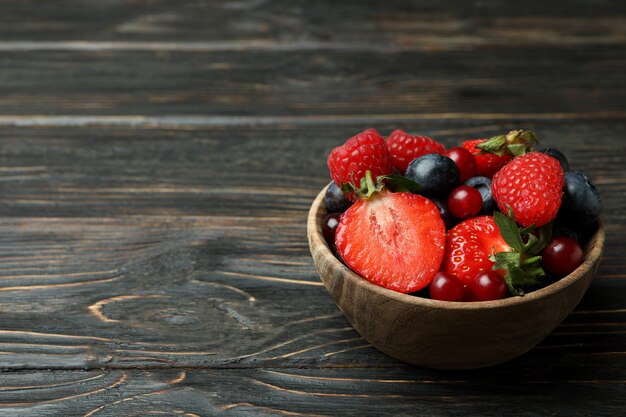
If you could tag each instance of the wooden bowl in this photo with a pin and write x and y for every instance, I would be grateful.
(441, 334)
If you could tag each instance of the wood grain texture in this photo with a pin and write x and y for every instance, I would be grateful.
(241, 170)
(308, 82)
(112, 246)
(284, 58)
(157, 161)
(279, 392)
(259, 22)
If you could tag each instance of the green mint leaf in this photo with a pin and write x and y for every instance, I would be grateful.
(509, 230)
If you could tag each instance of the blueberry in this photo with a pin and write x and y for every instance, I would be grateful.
(558, 155)
(436, 174)
(581, 204)
(580, 232)
(565, 231)
(447, 217)
(335, 200)
(483, 185)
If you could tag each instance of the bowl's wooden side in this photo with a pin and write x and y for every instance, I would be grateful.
(443, 334)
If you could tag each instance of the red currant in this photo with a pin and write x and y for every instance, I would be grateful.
(488, 285)
(464, 160)
(446, 287)
(465, 201)
(562, 255)
(329, 227)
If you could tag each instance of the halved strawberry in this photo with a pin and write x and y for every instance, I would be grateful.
(395, 240)
(469, 245)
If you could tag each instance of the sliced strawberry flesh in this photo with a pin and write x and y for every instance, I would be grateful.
(395, 240)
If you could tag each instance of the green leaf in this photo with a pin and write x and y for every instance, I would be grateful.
(494, 145)
(347, 187)
(517, 149)
(506, 257)
(527, 230)
(531, 240)
(505, 260)
(514, 143)
(545, 235)
(398, 183)
(512, 289)
(530, 261)
(509, 230)
(525, 276)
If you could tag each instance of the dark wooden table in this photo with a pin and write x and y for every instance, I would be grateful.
(157, 161)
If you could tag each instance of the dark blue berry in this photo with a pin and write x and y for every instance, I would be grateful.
(581, 204)
(447, 217)
(329, 228)
(565, 231)
(436, 174)
(483, 185)
(558, 155)
(335, 200)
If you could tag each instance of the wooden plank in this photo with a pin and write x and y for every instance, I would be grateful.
(416, 24)
(305, 83)
(215, 292)
(268, 170)
(157, 159)
(162, 247)
(311, 392)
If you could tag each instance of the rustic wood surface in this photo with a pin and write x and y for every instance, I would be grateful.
(157, 161)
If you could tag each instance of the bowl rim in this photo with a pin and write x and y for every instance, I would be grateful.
(592, 255)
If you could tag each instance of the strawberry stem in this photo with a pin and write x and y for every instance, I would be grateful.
(368, 188)
(522, 266)
(514, 143)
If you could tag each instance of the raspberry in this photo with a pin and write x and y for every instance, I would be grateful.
(366, 151)
(404, 148)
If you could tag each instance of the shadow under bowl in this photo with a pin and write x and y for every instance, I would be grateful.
(442, 334)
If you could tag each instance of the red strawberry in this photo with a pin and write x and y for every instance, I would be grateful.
(365, 151)
(532, 185)
(487, 164)
(404, 148)
(395, 240)
(469, 245)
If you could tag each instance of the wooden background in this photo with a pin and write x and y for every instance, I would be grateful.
(157, 160)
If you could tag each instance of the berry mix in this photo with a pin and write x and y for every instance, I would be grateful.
(489, 219)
